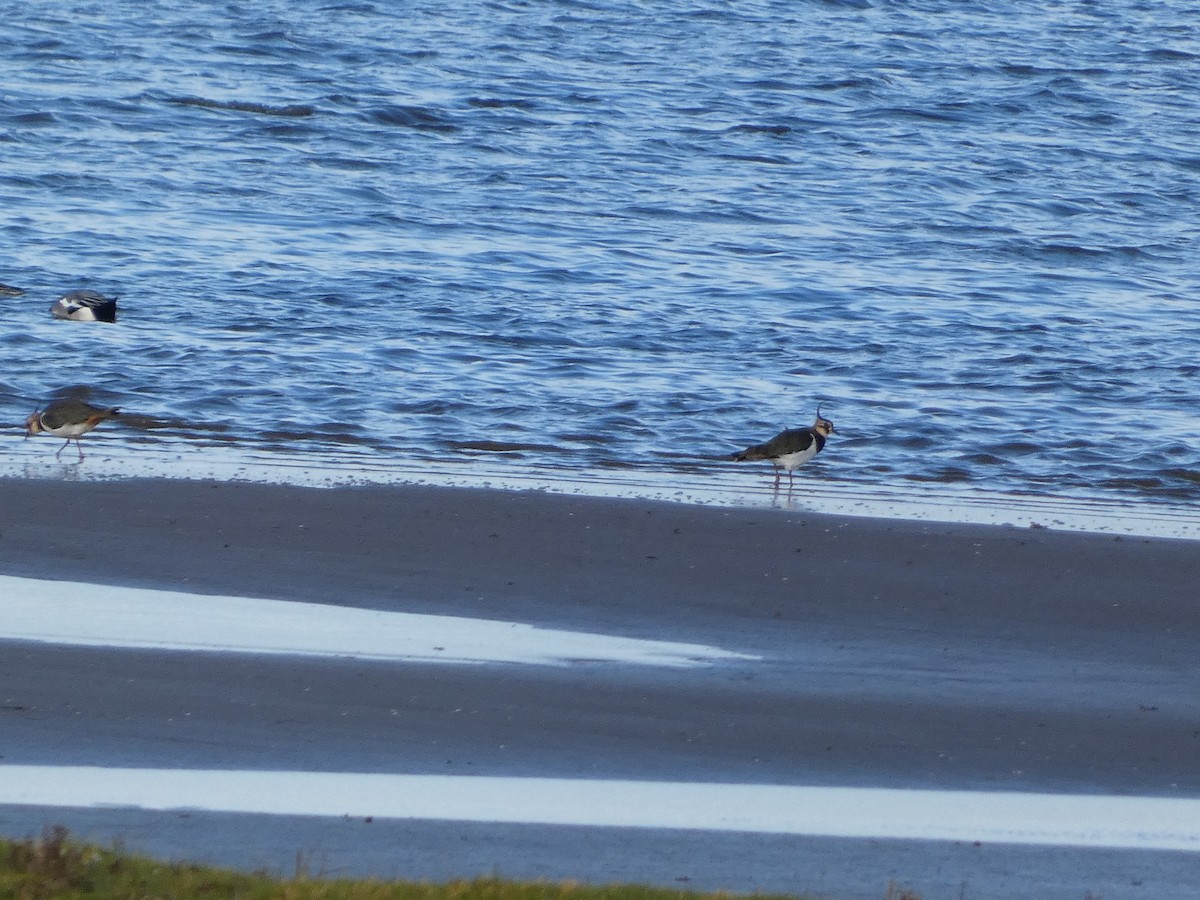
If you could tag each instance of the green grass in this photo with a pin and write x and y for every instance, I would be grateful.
(55, 866)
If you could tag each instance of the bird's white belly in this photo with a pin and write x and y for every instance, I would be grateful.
(69, 431)
(72, 311)
(790, 461)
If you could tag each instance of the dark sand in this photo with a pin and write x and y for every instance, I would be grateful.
(894, 654)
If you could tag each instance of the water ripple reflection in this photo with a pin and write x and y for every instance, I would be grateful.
(613, 239)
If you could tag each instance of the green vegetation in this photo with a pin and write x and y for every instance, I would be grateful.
(54, 866)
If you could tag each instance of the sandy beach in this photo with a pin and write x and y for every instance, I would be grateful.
(765, 576)
(877, 653)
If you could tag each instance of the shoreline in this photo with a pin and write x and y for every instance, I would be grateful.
(736, 488)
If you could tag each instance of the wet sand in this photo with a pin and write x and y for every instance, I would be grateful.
(587, 561)
(890, 654)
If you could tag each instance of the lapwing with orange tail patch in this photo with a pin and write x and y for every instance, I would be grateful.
(791, 448)
(70, 419)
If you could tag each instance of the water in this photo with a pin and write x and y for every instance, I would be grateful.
(615, 238)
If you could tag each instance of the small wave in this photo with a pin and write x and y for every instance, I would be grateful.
(983, 459)
(358, 8)
(1014, 448)
(1076, 251)
(1141, 483)
(777, 130)
(843, 84)
(347, 163)
(294, 111)
(500, 103)
(1170, 54)
(1026, 70)
(417, 117)
(504, 447)
(271, 37)
(587, 438)
(942, 475)
(941, 114)
(758, 159)
(37, 118)
(1190, 475)
(773, 84)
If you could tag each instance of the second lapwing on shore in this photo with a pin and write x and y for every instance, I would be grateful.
(68, 418)
(791, 448)
(85, 306)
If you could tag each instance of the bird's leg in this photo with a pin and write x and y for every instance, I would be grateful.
(79, 447)
(62, 448)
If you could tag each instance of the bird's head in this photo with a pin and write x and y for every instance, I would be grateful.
(33, 424)
(822, 425)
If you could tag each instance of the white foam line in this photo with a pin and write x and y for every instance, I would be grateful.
(63, 612)
(1002, 817)
(709, 485)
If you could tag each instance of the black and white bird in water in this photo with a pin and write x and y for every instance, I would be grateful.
(85, 306)
(70, 419)
(790, 449)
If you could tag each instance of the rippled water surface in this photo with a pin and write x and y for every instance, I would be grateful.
(615, 236)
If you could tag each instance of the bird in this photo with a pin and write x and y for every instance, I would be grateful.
(791, 448)
(68, 418)
(85, 306)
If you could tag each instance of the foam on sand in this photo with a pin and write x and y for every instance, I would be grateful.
(91, 615)
(1002, 817)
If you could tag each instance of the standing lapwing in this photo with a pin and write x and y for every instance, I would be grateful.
(790, 449)
(69, 418)
(85, 306)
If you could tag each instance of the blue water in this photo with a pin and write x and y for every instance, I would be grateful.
(615, 236)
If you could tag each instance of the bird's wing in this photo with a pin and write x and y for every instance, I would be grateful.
(87, 298)
(66, 412)
(794, 440)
